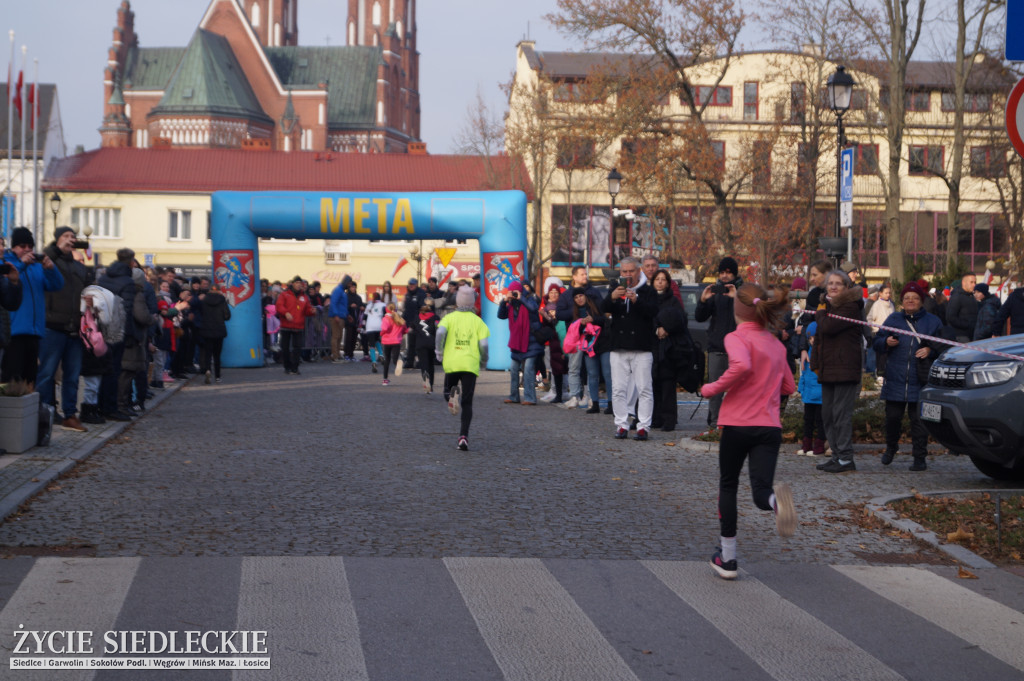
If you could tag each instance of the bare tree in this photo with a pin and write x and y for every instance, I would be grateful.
(675, 37)
(971, 22)
(894, 31)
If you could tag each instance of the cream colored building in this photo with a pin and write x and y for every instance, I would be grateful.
(770, 95)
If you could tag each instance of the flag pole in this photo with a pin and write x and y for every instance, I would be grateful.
(8, 190)
(36, 226)
(21, 123)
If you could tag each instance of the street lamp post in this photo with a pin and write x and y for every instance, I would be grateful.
(614, 184)
(55, 208)
(840, 93)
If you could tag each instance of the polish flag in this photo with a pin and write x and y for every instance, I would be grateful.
(17, 93)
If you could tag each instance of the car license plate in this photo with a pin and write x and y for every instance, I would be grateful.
(931, 411)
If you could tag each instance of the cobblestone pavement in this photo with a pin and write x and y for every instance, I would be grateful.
(333, 463)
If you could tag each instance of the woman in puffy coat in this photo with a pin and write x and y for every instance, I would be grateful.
(596, 356)
(902, 380)
(558, 364)
(837, 360)
(672, 352)
(214, 330)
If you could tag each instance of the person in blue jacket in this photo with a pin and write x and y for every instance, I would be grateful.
(337, 312)
(902, 385)
(810, 395)
(28, 322)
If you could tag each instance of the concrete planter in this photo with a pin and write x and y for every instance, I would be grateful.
(19, 422)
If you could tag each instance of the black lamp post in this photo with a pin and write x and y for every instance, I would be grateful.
(840, 93)
(614, 184)
(55, 208)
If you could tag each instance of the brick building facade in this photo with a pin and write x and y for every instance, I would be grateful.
(243, 81)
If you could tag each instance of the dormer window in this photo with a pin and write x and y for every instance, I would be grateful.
(376, 14)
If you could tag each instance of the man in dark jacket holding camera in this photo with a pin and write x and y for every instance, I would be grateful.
(61, 345)
(716, 304)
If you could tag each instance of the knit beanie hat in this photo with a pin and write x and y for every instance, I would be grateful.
(465, 297)
(982, 289)
(515, 286)
(799, 284)
(60, 231)
(913, 287)
(22, 236)
(727, 264)
(578, 291)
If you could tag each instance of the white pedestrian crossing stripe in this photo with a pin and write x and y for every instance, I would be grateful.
(993, 627)
(783, 639)
(521, 619)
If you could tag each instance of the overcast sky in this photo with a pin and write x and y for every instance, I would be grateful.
(463, 44)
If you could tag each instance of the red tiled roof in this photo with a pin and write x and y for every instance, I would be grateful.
(209, 170)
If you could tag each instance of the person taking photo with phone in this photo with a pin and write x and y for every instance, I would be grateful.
(716, 304)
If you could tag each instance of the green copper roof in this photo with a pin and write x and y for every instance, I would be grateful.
(350, 72)
(209, 80)
(150, 68)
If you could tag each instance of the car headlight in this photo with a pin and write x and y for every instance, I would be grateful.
(991, 373)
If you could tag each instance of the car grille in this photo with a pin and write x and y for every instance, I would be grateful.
(948, 375)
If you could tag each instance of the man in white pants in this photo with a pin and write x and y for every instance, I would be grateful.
(632, 306)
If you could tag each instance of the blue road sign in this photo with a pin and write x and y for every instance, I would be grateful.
(1015, 30)
(846, 184)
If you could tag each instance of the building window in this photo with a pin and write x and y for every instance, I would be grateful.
(179, 225)
(926, 160)
(576, 153)
(865, 159)
(639, 150)
(376, 14)
(574, 91)
(255, 15)
(456, 242)
(761, 174)
(105, 222)
(974, 102)
(209, 225)
(918, 101)
(750, 112)
(336, 258)
(797, 102)
(858, 100)
(714, 96)
(988, 161)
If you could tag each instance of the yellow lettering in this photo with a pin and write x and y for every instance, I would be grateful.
(331, 218)
(382, 214)
(403, 217)
(359, 213)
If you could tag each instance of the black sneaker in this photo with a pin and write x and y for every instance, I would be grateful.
(608, 409)
(621, 434)
(595, 408)
(837, 467)
(463, 443)
(640, 435)
(725, 569)
(825, 464)
(888, 456)
(919, 465)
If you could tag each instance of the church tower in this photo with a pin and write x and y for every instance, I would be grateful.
(391, 25)
(275, 21)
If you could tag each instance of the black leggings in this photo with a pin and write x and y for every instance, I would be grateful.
(761, 445)
(813, 423)
(467, 380)
(391, 356)
(211, 350)
(425, 356)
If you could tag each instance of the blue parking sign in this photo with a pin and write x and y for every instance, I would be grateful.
(846, 179)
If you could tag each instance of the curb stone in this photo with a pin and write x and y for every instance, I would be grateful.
(877, 507)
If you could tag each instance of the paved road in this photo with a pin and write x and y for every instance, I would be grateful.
(521, 619)
(337, 514)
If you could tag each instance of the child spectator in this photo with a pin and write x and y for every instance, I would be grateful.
(810, 393)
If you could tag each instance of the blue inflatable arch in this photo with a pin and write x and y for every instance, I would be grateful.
(496, 219)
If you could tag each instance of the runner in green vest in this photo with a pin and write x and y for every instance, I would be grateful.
(461, 347)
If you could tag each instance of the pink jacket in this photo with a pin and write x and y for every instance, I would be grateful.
(756, 379)
(391, 333)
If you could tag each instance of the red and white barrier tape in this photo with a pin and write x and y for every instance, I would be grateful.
(904, 332)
